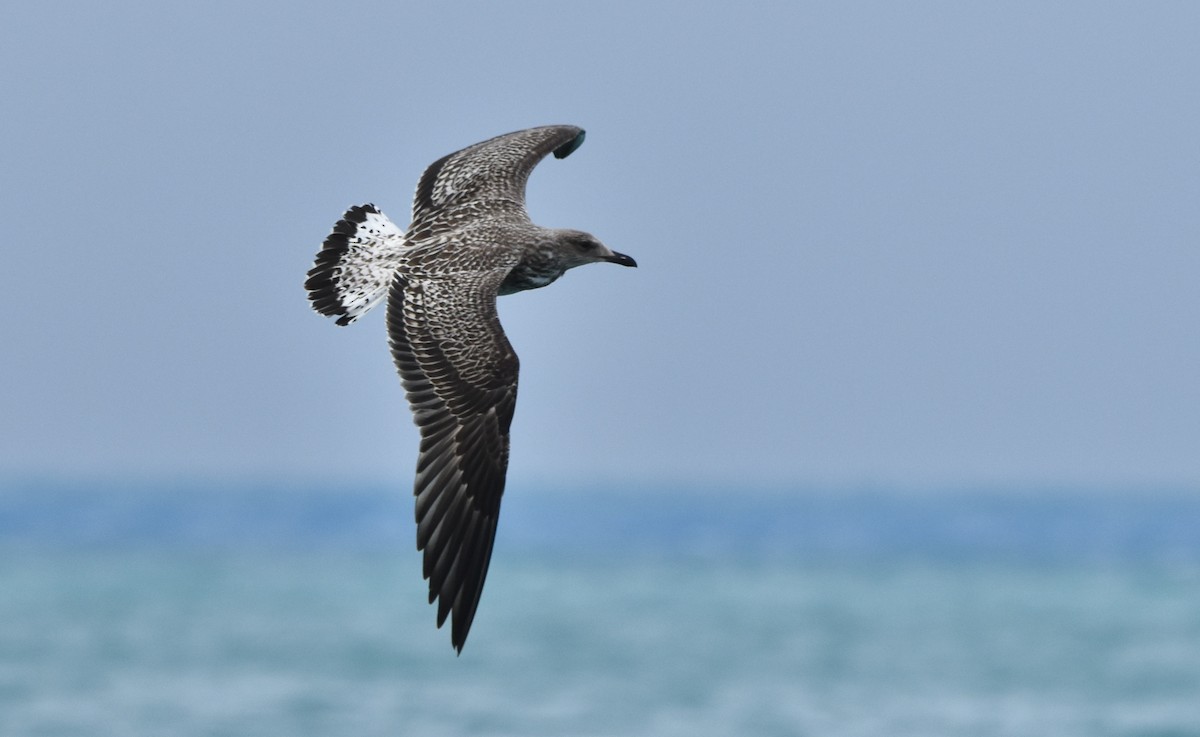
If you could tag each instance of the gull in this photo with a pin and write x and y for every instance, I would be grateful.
(470, 240)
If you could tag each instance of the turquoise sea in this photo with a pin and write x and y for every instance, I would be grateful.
(193, 609)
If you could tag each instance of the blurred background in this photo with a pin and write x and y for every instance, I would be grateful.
(896, 429)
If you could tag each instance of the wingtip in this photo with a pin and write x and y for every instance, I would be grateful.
(458, 638)
(569, 147)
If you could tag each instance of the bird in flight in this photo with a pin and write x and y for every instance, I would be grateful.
(469, 241)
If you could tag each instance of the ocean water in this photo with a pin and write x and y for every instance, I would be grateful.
(189, 612)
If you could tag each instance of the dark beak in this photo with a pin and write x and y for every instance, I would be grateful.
(620, 258)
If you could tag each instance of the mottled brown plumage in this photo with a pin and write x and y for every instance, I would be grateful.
(470, 240)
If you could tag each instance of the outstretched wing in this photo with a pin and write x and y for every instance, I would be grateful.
(460, 374)
(493, 171)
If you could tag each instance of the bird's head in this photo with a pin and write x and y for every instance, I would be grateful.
(578, 248)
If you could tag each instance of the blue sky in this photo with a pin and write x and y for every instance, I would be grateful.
(881, 243)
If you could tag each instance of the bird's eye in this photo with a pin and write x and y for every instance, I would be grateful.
(587, 245)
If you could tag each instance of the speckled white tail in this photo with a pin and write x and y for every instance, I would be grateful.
(356, 264)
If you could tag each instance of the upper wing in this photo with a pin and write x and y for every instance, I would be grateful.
(460, 374)
(493, 170)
